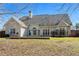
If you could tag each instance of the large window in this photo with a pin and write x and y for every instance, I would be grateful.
(62, 31)
(46, 32)
(55, 32)
(58, 32)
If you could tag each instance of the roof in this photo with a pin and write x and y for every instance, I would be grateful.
(46, 19)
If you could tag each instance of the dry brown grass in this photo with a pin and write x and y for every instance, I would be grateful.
(38, 47)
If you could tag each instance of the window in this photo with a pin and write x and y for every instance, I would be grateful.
(29, 33)
(52, 33)
(62, 32)
(38, 32)
(34, 31)
(55, 32)
(12, 31)
(46, 32)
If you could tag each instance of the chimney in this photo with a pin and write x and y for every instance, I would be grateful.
(30, 14)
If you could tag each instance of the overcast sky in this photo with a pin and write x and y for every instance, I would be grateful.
(42, 8)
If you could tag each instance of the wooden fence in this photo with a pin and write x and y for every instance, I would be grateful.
(2, 34)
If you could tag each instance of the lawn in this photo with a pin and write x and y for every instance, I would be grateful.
(39, 47)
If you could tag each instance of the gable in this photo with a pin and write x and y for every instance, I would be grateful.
(11, 22)
(14, 21)
(63, 23)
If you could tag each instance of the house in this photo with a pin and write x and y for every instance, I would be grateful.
(77, 26)
(75, 30)
(39, 25)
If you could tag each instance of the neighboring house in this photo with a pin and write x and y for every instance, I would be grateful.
(39, 25)
(75, 30)
(77, 26)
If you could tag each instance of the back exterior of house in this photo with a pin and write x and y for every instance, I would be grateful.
(39, 25)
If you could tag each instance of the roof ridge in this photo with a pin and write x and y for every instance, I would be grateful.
(46, 15)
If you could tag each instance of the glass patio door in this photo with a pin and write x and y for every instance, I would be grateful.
(12, 31)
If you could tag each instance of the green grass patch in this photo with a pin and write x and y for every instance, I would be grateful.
(65, 39)
(3, 38)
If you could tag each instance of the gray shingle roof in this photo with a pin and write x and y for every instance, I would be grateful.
(46, 19)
